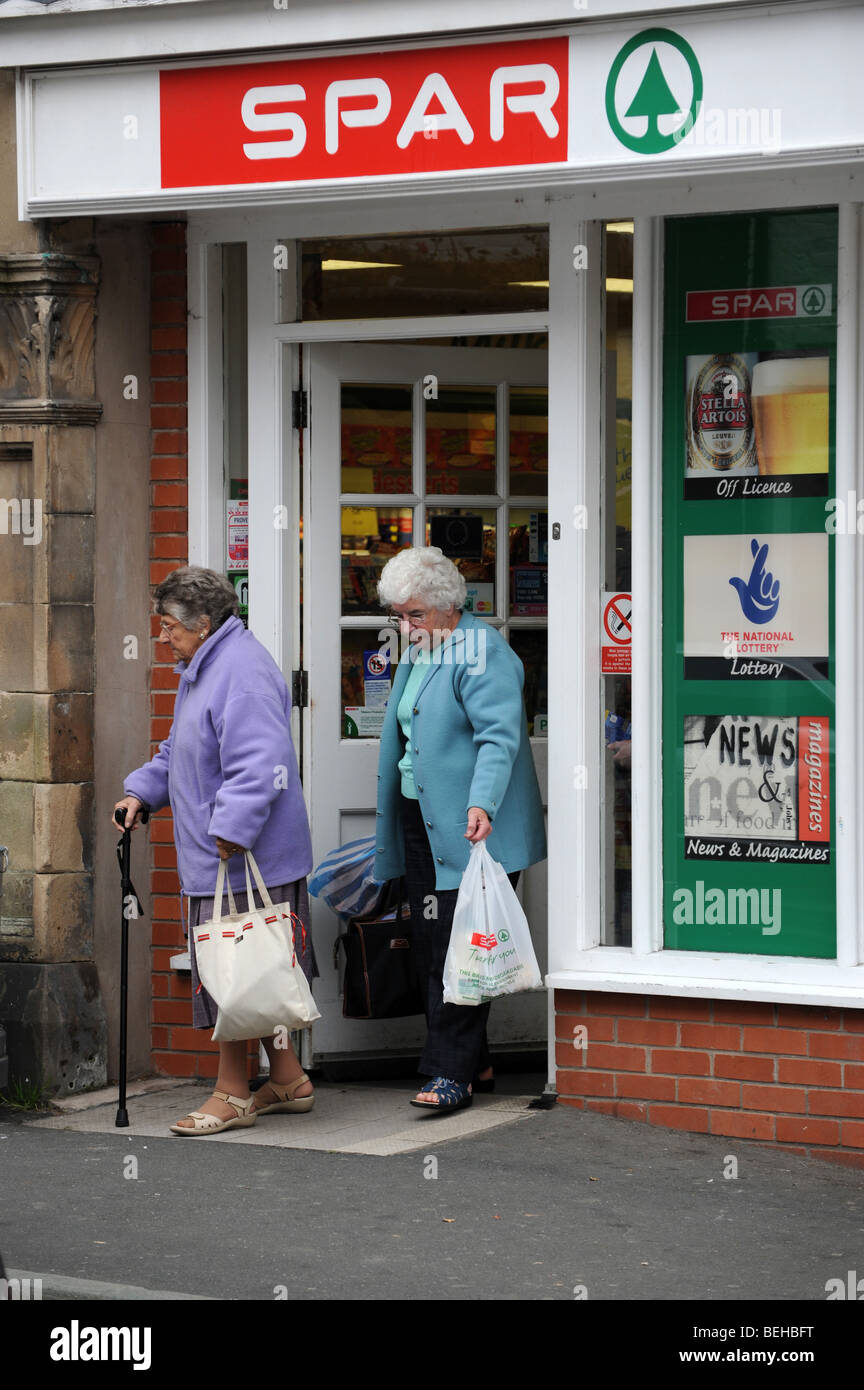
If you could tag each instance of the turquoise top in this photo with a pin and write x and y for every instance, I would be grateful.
(403, 714)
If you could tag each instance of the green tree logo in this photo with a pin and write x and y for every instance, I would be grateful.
(654, 97)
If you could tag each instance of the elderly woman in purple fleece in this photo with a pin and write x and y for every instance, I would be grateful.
(229, 773)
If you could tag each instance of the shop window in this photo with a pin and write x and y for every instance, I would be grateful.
(435, 273)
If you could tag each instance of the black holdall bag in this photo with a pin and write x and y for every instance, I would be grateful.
(380, 964)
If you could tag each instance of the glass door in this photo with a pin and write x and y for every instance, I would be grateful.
(425, 445)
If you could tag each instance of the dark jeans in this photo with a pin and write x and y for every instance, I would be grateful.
(456, 1045)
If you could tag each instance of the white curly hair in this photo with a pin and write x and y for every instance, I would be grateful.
(423, 573)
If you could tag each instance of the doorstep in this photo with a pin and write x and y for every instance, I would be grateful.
(347, 1119)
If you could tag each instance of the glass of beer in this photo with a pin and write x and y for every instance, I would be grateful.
(790, 413)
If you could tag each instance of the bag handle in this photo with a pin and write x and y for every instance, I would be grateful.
(249, 860)
(223, 882)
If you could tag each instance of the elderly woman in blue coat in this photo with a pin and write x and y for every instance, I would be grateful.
(455, 767)
(229, 773)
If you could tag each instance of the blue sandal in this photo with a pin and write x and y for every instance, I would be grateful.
(455, 1095)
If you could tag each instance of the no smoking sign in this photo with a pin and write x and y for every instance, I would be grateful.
(615, 634)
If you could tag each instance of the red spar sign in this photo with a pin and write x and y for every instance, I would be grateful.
(464, 106)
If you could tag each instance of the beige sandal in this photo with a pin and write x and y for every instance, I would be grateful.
(286, 1102)
(211, 1124)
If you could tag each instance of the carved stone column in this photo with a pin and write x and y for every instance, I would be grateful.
(50, 1001)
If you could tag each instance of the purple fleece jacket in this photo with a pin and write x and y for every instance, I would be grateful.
(228, 766)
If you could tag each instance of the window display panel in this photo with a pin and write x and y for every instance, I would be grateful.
(370, 535)
(468, 537)
(530, 646)
(368, 660)
(529, 563)
(748, 608)
(460, 439)
(376, 438)
(529, 442)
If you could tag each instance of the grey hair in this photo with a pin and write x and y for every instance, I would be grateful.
(425, 573)
(192, 593)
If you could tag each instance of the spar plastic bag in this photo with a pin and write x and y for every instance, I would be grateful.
(490, 951)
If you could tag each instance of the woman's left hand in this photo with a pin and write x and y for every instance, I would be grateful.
(226, 849)
(479, 825)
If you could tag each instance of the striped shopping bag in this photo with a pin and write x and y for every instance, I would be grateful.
(346, 881)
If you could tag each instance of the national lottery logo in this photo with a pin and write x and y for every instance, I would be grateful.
(759, 594)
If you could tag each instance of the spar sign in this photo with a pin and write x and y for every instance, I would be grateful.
(463, 106)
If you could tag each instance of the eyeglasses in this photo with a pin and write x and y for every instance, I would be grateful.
(418, 616)
(168, 629)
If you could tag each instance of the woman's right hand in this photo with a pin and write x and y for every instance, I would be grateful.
(128, 804)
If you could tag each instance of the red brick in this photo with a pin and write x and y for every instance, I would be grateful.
(569, 1001)
(678, 1062)
(169, 522)
(160, 1037)
(164, 856)
(168, 417)
(168, 311)
(836, 1103)
(852, 1135)
(189, 1039)
(598, 1029)
(775, 1040)
(648, 1087)
(680, 1008)
(679, 1117)
(621, 1005)
(164, 881)
(169, 391)
(175, 1064)
(169, 339)
(170, 469)
(647, 1030)
(160, 569)
(781, 1099)
(806, 1073)
(585, 1083)
(170, 1011)
(838, 1156)
(853, 1020)
(807, 1016)
(693, 1090)
(161, 832)
(168, 442)
(616, 1058)
(809, 1131)
(160, 728)
(161, 958)
(837, 1045)
(712, 1035)
(181, 987)
(162, 704)
(168, 233)
(167, 284)
(853, 1077)
(168, 258)
(572, 1102)
(738, 1126)
(622, 1110)
(160, 986)
(169, 364)
(169, 548)
(164, 678)
(741, 1011)
(168, 934)
(208, 1065)
(744, 1068)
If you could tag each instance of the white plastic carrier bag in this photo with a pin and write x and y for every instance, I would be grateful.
(490, 951)
(248, 963)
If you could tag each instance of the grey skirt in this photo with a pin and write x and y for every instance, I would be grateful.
(204, 1007)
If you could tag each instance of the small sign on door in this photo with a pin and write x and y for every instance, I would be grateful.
(615, 633)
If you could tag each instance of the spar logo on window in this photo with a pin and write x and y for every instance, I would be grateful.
(464, 106)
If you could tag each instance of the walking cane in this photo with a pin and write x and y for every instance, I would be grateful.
(124, 849)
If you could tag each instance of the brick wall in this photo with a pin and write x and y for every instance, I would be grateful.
(178, 1048)
(778, 1073)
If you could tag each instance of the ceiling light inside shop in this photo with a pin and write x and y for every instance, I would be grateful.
(530, 284)
(360, 265)
(626, 227)
(619, 286)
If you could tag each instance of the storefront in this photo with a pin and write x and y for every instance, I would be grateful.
(580, 303)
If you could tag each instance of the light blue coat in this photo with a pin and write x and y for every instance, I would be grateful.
(469, 747)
